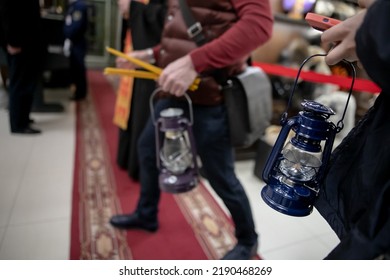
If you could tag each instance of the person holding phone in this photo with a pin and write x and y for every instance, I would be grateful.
(75, 45)
(355, 195)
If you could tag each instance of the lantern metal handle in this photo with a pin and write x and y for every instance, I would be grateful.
(154, 93)
(340, 123)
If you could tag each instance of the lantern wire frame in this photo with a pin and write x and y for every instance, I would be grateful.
(340, 123)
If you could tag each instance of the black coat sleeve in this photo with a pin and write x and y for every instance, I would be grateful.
(146, 23)
(373, 45)
(21, 22)
(367, 234)
(370, 237)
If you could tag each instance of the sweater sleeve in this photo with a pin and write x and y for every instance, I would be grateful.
(253, 28)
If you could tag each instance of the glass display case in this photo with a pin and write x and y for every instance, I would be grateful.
(103, 28)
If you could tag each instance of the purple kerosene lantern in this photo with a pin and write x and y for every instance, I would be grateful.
(175, 149)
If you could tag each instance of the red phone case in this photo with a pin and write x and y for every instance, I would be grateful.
(320, 22)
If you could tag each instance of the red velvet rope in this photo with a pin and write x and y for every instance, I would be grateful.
(310, 76)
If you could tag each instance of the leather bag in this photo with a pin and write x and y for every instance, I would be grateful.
(248, 100)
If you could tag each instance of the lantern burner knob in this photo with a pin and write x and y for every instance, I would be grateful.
(315, 107)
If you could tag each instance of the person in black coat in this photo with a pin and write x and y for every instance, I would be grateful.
(75, 45)
(355, 196)
(145, 23)
(21, 39)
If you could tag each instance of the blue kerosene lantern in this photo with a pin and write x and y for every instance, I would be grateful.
(295, 168)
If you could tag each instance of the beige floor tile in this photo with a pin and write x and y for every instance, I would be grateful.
(14, 154)
(330, 240)
(38, 241)
(45, 191)
(36, 203)
(2, 231)
(309, 249)
(7, 200)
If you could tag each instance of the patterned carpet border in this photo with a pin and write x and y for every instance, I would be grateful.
(97, 200)
(212, 228)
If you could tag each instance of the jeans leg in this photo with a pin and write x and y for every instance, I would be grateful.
(215, 150)
(150, 192)
(23, 82)
(79, 72)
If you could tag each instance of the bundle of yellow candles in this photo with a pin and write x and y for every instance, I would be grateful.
(153, 74)
(133, 73)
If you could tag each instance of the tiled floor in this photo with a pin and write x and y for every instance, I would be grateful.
(35, 196)
(35, 187)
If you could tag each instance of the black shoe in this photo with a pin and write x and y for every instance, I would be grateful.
(27, 130)
(48, 108)
(76, 98)
(241, 252)
(131, 221)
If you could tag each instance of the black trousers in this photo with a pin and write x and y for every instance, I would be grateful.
(25, 72)
(78, 71)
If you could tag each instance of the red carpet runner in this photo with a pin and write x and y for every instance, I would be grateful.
(192, 226)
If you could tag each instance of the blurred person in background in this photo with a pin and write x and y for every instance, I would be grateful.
(21, 39)
(3, 79)
(75, 45)
(144, 21)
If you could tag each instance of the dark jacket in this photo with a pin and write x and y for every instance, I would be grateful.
(76, 30)
(355, 197)
(146, 23)
(21, 24)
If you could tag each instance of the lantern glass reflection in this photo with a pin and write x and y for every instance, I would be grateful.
(175, 154)
(294, 170)
(299, 165)
(175, 149)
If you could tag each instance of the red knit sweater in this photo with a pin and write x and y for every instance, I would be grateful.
(252, 30)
